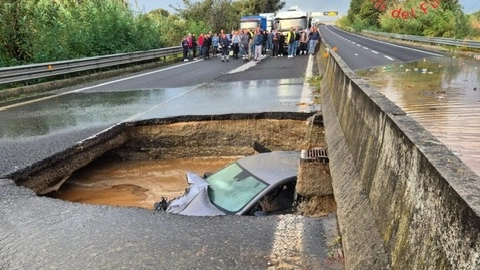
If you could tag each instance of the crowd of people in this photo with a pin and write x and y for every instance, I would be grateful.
(250, 44)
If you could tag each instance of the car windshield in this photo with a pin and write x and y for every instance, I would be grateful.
(233, 187)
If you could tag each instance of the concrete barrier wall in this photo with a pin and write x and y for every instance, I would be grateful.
(404, 200)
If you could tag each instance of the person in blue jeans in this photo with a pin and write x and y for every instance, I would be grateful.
(215, 41)
(270, 40)
(297, 40)
(314, 38)
(224, 43)
(291, 42)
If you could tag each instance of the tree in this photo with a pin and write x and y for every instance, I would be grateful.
(215, 14)
(14, 31)
(251, 7)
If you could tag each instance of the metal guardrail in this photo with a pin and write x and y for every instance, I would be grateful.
(433, 40)
(43, 70)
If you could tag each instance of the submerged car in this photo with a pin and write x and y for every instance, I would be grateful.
(260, 184)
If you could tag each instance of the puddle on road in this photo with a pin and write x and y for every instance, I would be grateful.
(135, 183)
(83, 109)
(443, 95)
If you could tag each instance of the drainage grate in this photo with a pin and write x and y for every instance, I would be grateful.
(316, 154)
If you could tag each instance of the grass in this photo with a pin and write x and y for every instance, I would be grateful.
(316, 83)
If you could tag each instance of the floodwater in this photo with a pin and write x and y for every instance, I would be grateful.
(443, 95)
(135, 183)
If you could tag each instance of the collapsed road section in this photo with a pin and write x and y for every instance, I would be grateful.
(197, 136)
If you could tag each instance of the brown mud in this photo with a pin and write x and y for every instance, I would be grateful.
(135, 183)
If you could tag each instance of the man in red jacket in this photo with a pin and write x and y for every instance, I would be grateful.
(200, 45)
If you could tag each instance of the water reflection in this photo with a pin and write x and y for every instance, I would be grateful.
(441, 94)
(75, 110)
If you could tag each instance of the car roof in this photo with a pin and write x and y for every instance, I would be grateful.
(272, 167)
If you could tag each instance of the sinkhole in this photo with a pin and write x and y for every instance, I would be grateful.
(135, 164)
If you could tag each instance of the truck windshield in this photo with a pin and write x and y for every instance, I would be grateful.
(248, 25)
(232, 188)
(285, 24)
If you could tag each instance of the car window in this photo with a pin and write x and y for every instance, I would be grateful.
(233, 187)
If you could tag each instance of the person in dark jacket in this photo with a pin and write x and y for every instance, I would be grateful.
(207, 42)
(265, 42)
(314, 38)
(185, 49)
(275, 43)
(258, 40)
(194, 47)
(281, 43)
(224, 43)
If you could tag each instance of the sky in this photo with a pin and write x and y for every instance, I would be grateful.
(307, 5)
(341, 6)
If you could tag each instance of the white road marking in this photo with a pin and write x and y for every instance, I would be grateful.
(375, 52)
(246, 66)
(389, 58)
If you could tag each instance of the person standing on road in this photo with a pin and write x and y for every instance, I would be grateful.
(281, 44)
(313, 38)
(224, 43)
(190, 45)
(207, 41)
(244, 41)
(258, 45)
(215, 40)
(185, 48)
(270, 40)
(235, 44)
(194, 47)
(303, 42)
(296, 43)
(291, 42)
(276, 44)
(201, 38)
(265, 42)
(251, 48)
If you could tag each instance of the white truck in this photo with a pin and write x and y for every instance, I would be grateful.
(292, 17)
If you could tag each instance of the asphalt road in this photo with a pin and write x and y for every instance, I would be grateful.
(35, 129)
(44, 233)
(360, 52)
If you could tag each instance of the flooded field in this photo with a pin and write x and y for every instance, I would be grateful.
(443, 95)
(135, 183)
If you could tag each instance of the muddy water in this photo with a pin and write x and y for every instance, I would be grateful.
(135, 183)
(443, 95)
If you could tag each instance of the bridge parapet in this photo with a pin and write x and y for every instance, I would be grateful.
(405, 201)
